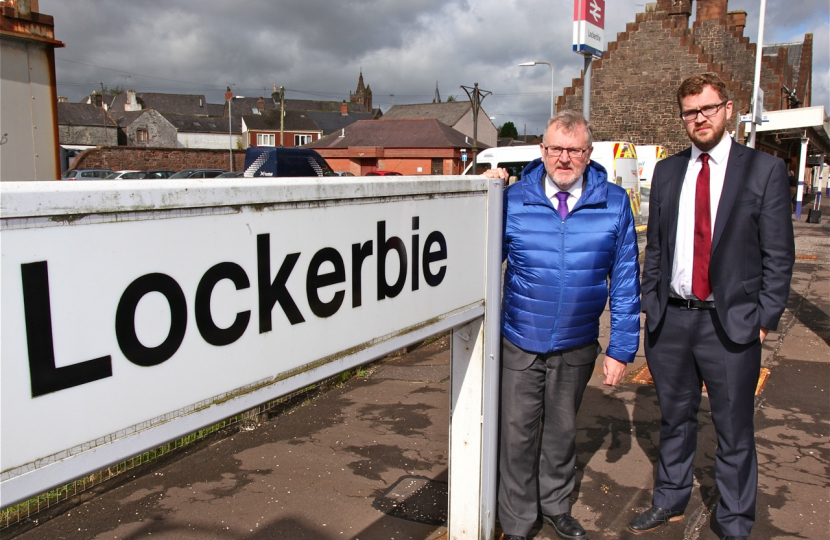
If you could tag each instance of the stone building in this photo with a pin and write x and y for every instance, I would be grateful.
(363, 94)
(82, 124)
(633, 86)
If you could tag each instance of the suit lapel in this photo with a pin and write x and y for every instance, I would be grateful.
(675, 185)
(734, 180)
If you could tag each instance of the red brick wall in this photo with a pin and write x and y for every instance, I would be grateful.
(176, 159)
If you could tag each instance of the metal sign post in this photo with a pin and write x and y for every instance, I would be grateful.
(589, 41)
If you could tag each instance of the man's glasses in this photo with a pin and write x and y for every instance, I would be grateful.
(707, 111)
(556, 151)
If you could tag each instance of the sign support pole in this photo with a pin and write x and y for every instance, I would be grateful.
(474, 405)
(586, 88)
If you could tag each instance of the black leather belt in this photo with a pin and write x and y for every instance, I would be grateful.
(691, 304)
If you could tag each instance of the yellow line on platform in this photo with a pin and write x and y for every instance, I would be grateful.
(643, 376)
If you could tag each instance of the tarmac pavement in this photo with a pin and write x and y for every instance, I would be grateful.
(367, 459)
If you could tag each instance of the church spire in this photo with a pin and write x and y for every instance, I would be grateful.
(437, 98)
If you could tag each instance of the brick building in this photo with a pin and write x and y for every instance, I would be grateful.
(633, 86)
(410, 147)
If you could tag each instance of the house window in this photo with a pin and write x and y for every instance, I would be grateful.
(300, 140)
(265, 139)
(141, 135)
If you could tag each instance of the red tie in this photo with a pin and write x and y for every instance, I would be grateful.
(703, 233)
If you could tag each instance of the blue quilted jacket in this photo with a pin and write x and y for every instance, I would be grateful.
(560, 272)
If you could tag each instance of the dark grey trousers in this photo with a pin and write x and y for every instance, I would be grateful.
(689, 348)
(540, 396)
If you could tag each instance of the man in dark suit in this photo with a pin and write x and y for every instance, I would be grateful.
(716, 277)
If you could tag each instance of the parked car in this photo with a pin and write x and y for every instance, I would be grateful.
(231, 174)
(158, 173)
(86, 174)
(342, 173)
(123, 175)
(198, 173)
(271, 161)
(383, 173)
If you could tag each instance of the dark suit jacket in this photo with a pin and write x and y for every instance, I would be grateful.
(753, 248)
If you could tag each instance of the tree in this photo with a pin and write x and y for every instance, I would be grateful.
(451, 99)
(113, 90)
(508, 130)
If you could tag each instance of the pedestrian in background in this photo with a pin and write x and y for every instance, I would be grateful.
(716, 277)
(568, 239)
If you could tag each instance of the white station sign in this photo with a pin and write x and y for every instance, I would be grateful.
(154, 303)
(589, 27)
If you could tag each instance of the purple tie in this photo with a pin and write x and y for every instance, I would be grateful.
(563, 206)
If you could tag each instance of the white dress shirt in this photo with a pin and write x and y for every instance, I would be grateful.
(681, 272)
(574, 193)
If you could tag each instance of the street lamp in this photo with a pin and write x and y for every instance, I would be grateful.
(527, 64)
(230, 97)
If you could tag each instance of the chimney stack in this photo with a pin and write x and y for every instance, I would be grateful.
(737, 19)
(344, 109)
(132, 102)
(62, 99)
(709, 10)
(260, 104)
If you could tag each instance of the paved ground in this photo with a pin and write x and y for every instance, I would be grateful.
(368, 460)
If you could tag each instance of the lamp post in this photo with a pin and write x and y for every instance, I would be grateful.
(229, 97)
(528, 64)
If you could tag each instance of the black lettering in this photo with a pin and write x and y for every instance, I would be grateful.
(315, 281)
(45, 377)
(430, 256)
(128, 341)
(359, 254)
(271, 293)
(385, 246)
(204, 320)
(415, 256)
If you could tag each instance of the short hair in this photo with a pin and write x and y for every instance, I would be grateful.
(695, 85)
(568, 120)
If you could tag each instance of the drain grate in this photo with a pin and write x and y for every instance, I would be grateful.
(415, 498)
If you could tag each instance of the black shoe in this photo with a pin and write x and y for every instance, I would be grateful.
(735, 538)
(566, 526)
(653, 518)
(512, 537)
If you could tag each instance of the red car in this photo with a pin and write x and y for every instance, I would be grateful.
(383, 173)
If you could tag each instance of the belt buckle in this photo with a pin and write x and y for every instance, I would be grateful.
(690, 304)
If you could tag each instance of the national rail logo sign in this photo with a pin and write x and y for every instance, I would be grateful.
(589, 27)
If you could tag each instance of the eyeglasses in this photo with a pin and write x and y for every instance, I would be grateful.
(707, 111)
(556, 151)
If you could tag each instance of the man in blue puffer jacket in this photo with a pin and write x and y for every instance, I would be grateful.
(569, 240)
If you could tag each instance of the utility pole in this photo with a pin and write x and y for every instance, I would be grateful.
(476, 96)
(229, 99)
(282, 116)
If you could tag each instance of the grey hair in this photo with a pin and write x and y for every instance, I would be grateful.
(568, 120)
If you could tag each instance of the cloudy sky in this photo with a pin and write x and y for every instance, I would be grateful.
(316, 48)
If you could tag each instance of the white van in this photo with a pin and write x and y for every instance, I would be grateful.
(512, 158)
(618, 157)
